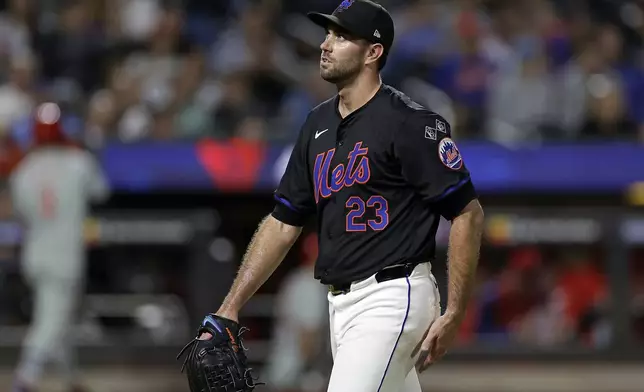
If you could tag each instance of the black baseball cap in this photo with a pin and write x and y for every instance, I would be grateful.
(362, 18)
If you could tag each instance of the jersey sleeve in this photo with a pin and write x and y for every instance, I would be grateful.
(295, 201)
(431, 162)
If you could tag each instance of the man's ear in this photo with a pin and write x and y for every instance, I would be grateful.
(374, 53)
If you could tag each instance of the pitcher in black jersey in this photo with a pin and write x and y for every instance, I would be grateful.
(378, 170)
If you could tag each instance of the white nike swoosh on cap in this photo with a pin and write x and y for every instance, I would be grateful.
(318, 133)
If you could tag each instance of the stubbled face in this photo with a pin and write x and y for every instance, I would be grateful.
(343, 56)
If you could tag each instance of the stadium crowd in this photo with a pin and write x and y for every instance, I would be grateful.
(511, 71)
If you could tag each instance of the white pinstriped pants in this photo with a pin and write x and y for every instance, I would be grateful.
(374, 329)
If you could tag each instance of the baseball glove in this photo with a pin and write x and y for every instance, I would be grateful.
(219, 363)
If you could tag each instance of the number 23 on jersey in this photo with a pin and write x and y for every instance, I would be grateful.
(357, 207)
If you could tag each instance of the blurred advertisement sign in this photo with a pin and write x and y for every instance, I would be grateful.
(502, 229)
(632, 231)
(509, 227)
(131, 227)
(245, 166)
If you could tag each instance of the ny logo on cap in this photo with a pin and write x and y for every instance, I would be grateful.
(344, 5)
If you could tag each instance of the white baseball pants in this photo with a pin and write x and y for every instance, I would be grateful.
(374, 329)
(49, 339)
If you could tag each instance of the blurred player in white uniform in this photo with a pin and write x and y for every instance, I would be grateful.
(299, 336)
(51, 190)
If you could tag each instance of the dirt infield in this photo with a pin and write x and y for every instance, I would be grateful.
(442, 378)
(115, 380)
(535, 378)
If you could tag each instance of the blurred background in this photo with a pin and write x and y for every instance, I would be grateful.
(192, 106)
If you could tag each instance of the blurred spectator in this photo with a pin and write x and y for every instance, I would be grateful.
(100, 116)
(516, 293)
(236, 105)
(73, 53)
(251, 44)
(16, 26)
(544, 325)
(299, 101)
(134, 20)
(520, 103)
(572, 92)
(194, 100)
(421, 38)
(464, 75)
(607, 99)
(583, 286)
(507, 20)
(17, 95)
(554, 31)
(253, 48)
(155, 68)
(539, 298)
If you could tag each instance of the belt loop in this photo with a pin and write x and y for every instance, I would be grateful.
(337, 291)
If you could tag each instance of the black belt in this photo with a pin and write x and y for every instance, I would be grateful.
(388, 273)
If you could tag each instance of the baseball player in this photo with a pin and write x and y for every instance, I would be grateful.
(378, 170)
(51, 189)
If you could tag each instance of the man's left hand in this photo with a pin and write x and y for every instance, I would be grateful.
(438, 339)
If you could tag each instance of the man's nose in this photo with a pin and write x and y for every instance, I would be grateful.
(325, 45)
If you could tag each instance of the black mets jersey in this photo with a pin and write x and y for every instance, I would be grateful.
(378, 181)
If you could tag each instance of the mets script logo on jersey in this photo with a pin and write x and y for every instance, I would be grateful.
(449, 154)
(356, 171)
(344, 5)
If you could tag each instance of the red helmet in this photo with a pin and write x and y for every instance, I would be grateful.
(47, 128)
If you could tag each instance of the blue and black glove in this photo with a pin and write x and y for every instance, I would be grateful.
(216, 360)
